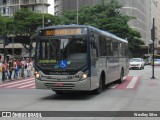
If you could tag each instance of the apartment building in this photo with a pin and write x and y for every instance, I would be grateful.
(142, 10)
(63, 5)
(155, 13)
(9, 7)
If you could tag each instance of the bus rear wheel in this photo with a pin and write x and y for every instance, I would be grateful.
(121, 77)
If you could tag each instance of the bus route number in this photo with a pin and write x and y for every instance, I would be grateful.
(73, 76)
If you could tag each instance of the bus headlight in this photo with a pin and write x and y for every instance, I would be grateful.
(84, 76)
(37, 75)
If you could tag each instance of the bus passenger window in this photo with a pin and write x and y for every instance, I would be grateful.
(102, 46)
(115, 48)
(109, 47)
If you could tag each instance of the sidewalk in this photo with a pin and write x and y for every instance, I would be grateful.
(147, 97)
(32, 73)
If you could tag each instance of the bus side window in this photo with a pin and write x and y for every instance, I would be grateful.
(109, 47)
(115, 48)
(120, 50)
(124, 50)
(102, 46)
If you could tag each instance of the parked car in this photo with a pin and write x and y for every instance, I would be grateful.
(137, 63)
(156, 62)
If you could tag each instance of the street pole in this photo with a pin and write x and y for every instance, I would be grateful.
(4, 48)
(77, 12)
(43, 15)
(153, 39)
(12, 45)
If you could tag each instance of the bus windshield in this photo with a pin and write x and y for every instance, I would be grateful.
(70, 53)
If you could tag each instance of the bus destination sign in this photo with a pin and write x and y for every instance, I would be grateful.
(60, 32)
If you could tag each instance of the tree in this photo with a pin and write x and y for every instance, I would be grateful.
(24, 24)
(106, 17)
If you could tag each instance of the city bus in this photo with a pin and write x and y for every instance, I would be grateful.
(79, 58)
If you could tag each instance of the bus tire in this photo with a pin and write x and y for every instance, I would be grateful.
(121, 77)
(100, 88)
(59, 92)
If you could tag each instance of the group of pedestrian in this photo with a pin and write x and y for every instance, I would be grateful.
(16, 68)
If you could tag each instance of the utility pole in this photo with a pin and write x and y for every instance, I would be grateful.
(43, 14)
(153, 39)
(77, 11)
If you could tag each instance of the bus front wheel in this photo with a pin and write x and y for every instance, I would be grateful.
(59, 92)
(100, 88)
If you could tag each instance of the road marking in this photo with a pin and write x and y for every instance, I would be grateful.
(24, 86)
(113, 86)
(129, 82)
(19, 84)
(132, 83)
(14, 82)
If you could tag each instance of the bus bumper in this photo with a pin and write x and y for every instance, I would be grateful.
(83, 85)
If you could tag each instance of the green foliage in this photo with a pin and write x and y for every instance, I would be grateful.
(103, 16)
(28, 21)
(106, 17)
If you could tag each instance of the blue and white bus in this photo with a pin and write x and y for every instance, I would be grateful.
(79, 58)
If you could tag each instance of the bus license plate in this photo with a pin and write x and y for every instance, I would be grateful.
(58, 84)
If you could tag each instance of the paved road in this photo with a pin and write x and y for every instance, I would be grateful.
(141, 95)
(130, 82)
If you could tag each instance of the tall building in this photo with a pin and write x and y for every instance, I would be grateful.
(142, 10)
(63, 5)
(9, 7)
(155, 13)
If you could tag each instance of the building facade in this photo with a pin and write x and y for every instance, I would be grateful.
(9, 7)
(142, 10)
(63, 5)
(155, 13)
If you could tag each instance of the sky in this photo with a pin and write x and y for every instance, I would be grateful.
(51, 7)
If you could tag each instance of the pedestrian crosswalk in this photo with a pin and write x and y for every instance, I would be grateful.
(28, 83)
(130, 82)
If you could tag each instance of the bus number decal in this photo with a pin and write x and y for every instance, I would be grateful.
(73, 76)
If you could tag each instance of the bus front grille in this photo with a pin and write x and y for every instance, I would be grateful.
(60, 86)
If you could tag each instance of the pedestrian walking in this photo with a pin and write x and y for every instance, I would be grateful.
(3, 71)
(15, 70)
(10, 68)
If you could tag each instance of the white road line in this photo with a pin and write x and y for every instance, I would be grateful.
(19, 84)
(26, 85)
(113, 86)
(6, 84)
(33, 87)
(132, 83)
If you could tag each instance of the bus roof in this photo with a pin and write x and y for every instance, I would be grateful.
(102, 32)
